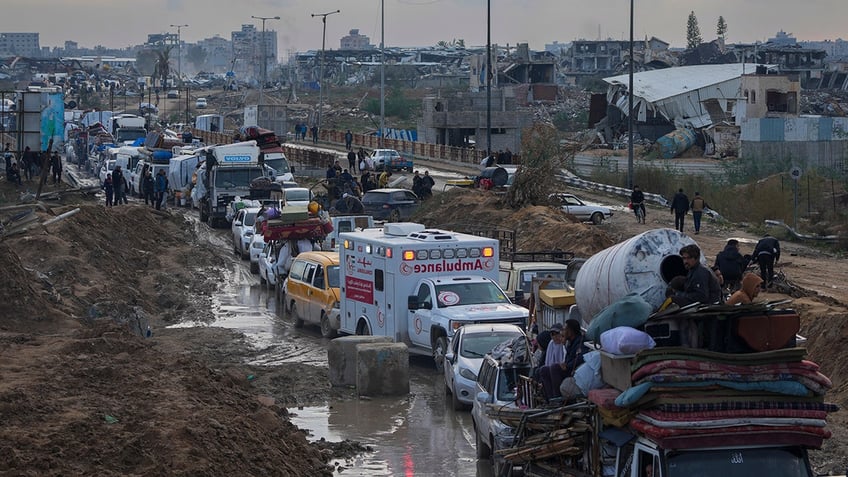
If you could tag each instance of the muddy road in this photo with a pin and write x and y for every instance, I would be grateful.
(418, 434)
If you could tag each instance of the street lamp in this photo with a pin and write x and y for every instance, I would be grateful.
(179, 51)
(264, 55)
(321, 67)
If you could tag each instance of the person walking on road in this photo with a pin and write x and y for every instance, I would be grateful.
(147, 188)
(160, 187)
(698, 205)
(637, 202)
(679, 207)
(56, 167)
(109, 189)
(349, 141)
(314, 134)
(767, 253)
(351, 161)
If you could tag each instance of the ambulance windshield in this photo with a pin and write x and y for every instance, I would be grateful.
(457, 294)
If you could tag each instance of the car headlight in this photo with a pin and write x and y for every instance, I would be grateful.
(467, 374)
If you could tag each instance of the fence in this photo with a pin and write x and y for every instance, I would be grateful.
(310, 157)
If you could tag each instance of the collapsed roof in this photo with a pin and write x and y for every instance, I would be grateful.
(678, 94)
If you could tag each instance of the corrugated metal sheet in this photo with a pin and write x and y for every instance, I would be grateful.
(662, 84)
(772, 129)
(825, 129)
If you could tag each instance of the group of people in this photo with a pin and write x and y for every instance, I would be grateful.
(680, 206)
(703, 285)
(300, 130)
(30, 166)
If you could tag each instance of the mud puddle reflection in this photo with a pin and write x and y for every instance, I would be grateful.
(418, 434)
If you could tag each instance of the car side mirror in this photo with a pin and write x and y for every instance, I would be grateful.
(412, 302)
(449, 357)
(237, 223)
(484, 397)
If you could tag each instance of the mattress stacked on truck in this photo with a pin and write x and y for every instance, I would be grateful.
(295, 223)
(684, 398)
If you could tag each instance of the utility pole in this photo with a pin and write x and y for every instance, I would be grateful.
(321, 66)
(630, 108)
(264, 65)
(382, 71)
(489, 78)
(179, 51)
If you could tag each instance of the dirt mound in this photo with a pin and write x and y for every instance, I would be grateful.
(84, 393)
(537, 228)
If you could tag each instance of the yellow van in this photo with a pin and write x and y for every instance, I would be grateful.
(312, 291)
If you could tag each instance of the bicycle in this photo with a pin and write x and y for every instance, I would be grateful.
(639, 210)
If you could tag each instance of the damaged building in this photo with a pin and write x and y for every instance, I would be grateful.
(461, 120)
(668, 99)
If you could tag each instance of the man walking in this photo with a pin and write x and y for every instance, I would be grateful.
(314, 134)
(679, 207)
(698, 205)
(767, 253)
(56, 167)
(159, 189)
(118, 184)
(351, 161)
(349, 141)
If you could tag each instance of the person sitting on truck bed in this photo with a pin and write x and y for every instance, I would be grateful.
(571, 336)
(701, 285)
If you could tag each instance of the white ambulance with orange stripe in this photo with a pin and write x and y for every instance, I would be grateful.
(419, 285)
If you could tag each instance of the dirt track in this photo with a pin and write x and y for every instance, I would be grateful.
(81, 394)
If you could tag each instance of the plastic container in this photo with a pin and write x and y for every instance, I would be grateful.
(643, 264)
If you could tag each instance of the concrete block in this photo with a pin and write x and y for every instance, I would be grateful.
(382, 369)
(341, 355)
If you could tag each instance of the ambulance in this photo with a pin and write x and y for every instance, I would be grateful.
(420, 285)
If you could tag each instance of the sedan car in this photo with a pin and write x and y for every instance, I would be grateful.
(242, 230)
(267, 265)
(467, 349)
(390, 204)
(200, 103)
(497, 384)
(388, 160)
(572, 205)
(257, 244)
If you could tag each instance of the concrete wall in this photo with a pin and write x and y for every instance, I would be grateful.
(816, 154)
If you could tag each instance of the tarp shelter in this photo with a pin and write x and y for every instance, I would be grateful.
(678, 94)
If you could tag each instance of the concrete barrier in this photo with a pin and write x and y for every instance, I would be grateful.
(341, 355)
(382, 369)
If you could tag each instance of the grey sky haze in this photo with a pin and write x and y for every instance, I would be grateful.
(120, 23)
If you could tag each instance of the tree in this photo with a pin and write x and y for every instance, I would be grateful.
(721, 28)
(541, 162)
(693, 32)
(163, 66)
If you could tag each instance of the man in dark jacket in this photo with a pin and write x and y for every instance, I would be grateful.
(349, 142)
(147, 186)
(119, 184)
(731, 264)
(572, 339)
(637, 201)
(767, 253)
(679, 207)
(701, 285)
(56, 167)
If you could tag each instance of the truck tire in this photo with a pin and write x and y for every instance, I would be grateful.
(327, 331)
(597, 218)
(439, 351)
(298, 321)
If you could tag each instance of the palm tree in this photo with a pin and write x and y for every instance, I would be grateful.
(163, 65)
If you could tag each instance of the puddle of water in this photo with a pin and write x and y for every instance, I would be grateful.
(411, 435)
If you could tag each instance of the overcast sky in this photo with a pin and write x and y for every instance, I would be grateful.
(119, 23)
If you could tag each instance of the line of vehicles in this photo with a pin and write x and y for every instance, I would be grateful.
(454, 297)
(438, 292)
